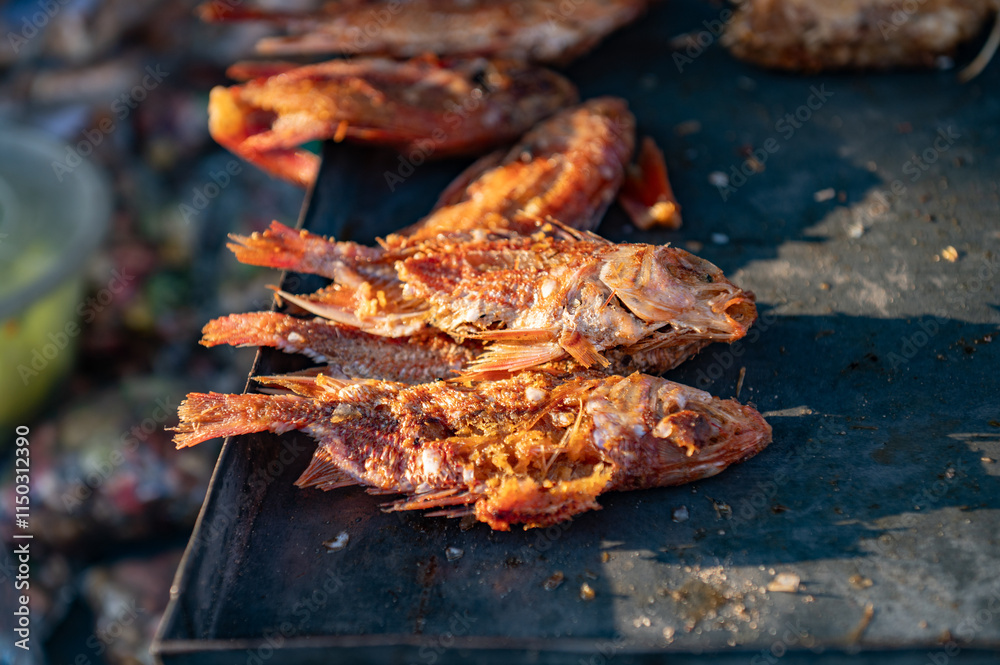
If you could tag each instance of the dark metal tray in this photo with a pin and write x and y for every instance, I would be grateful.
(875, 360)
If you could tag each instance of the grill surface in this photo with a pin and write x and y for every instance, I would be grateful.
(872, 360)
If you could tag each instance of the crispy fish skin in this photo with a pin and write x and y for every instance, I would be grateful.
(439, 108)
(810, 36)
(534, 449)
(531, 30)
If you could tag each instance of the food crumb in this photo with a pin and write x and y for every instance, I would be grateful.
(554, 581)
(824, 195)
(784, 582)
(605, 557)
(587, 592)
(680, 514)
(949, 254)
(453, 553)
(723, 510)
(860, 582)
(668, 634)
(338, 543)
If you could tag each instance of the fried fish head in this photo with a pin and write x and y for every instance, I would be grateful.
(662, 284)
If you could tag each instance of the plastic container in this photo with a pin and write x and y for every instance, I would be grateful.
(52, 218)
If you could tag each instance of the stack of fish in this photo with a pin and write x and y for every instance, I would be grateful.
(487, 360)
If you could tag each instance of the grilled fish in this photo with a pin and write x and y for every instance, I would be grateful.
(346, 352)
(532, 299)
(422, 107)
(534, 449)
(805, 35)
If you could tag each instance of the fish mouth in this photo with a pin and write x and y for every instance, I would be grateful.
(740, 313)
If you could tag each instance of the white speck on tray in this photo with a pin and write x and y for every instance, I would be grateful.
(824, 195)
(718, 178)
(785, 583)
(338, 543)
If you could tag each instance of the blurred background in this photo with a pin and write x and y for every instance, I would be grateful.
(102, 300)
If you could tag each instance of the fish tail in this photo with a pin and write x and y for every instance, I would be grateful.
(229, 123)
(287, 249)
(205, 416)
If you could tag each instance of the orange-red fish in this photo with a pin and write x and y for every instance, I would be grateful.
(534, 449)
(426, 106)
(535, 299)
(346, 352)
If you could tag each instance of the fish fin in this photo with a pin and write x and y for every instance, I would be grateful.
(285, 248)
(450, 497)
(323, 473)
(527, 335)
(454, 512)
(582, 350)
(510, 358)
(646, 195)
(307, 385)
(571, 232)
(309, 371)
(205, 416)
(380, 491)
(386, 325)
(325, 310)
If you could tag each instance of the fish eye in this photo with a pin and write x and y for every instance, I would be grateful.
(708, 278)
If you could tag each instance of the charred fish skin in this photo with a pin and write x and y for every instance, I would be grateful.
(403, 105)
(534, 449)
